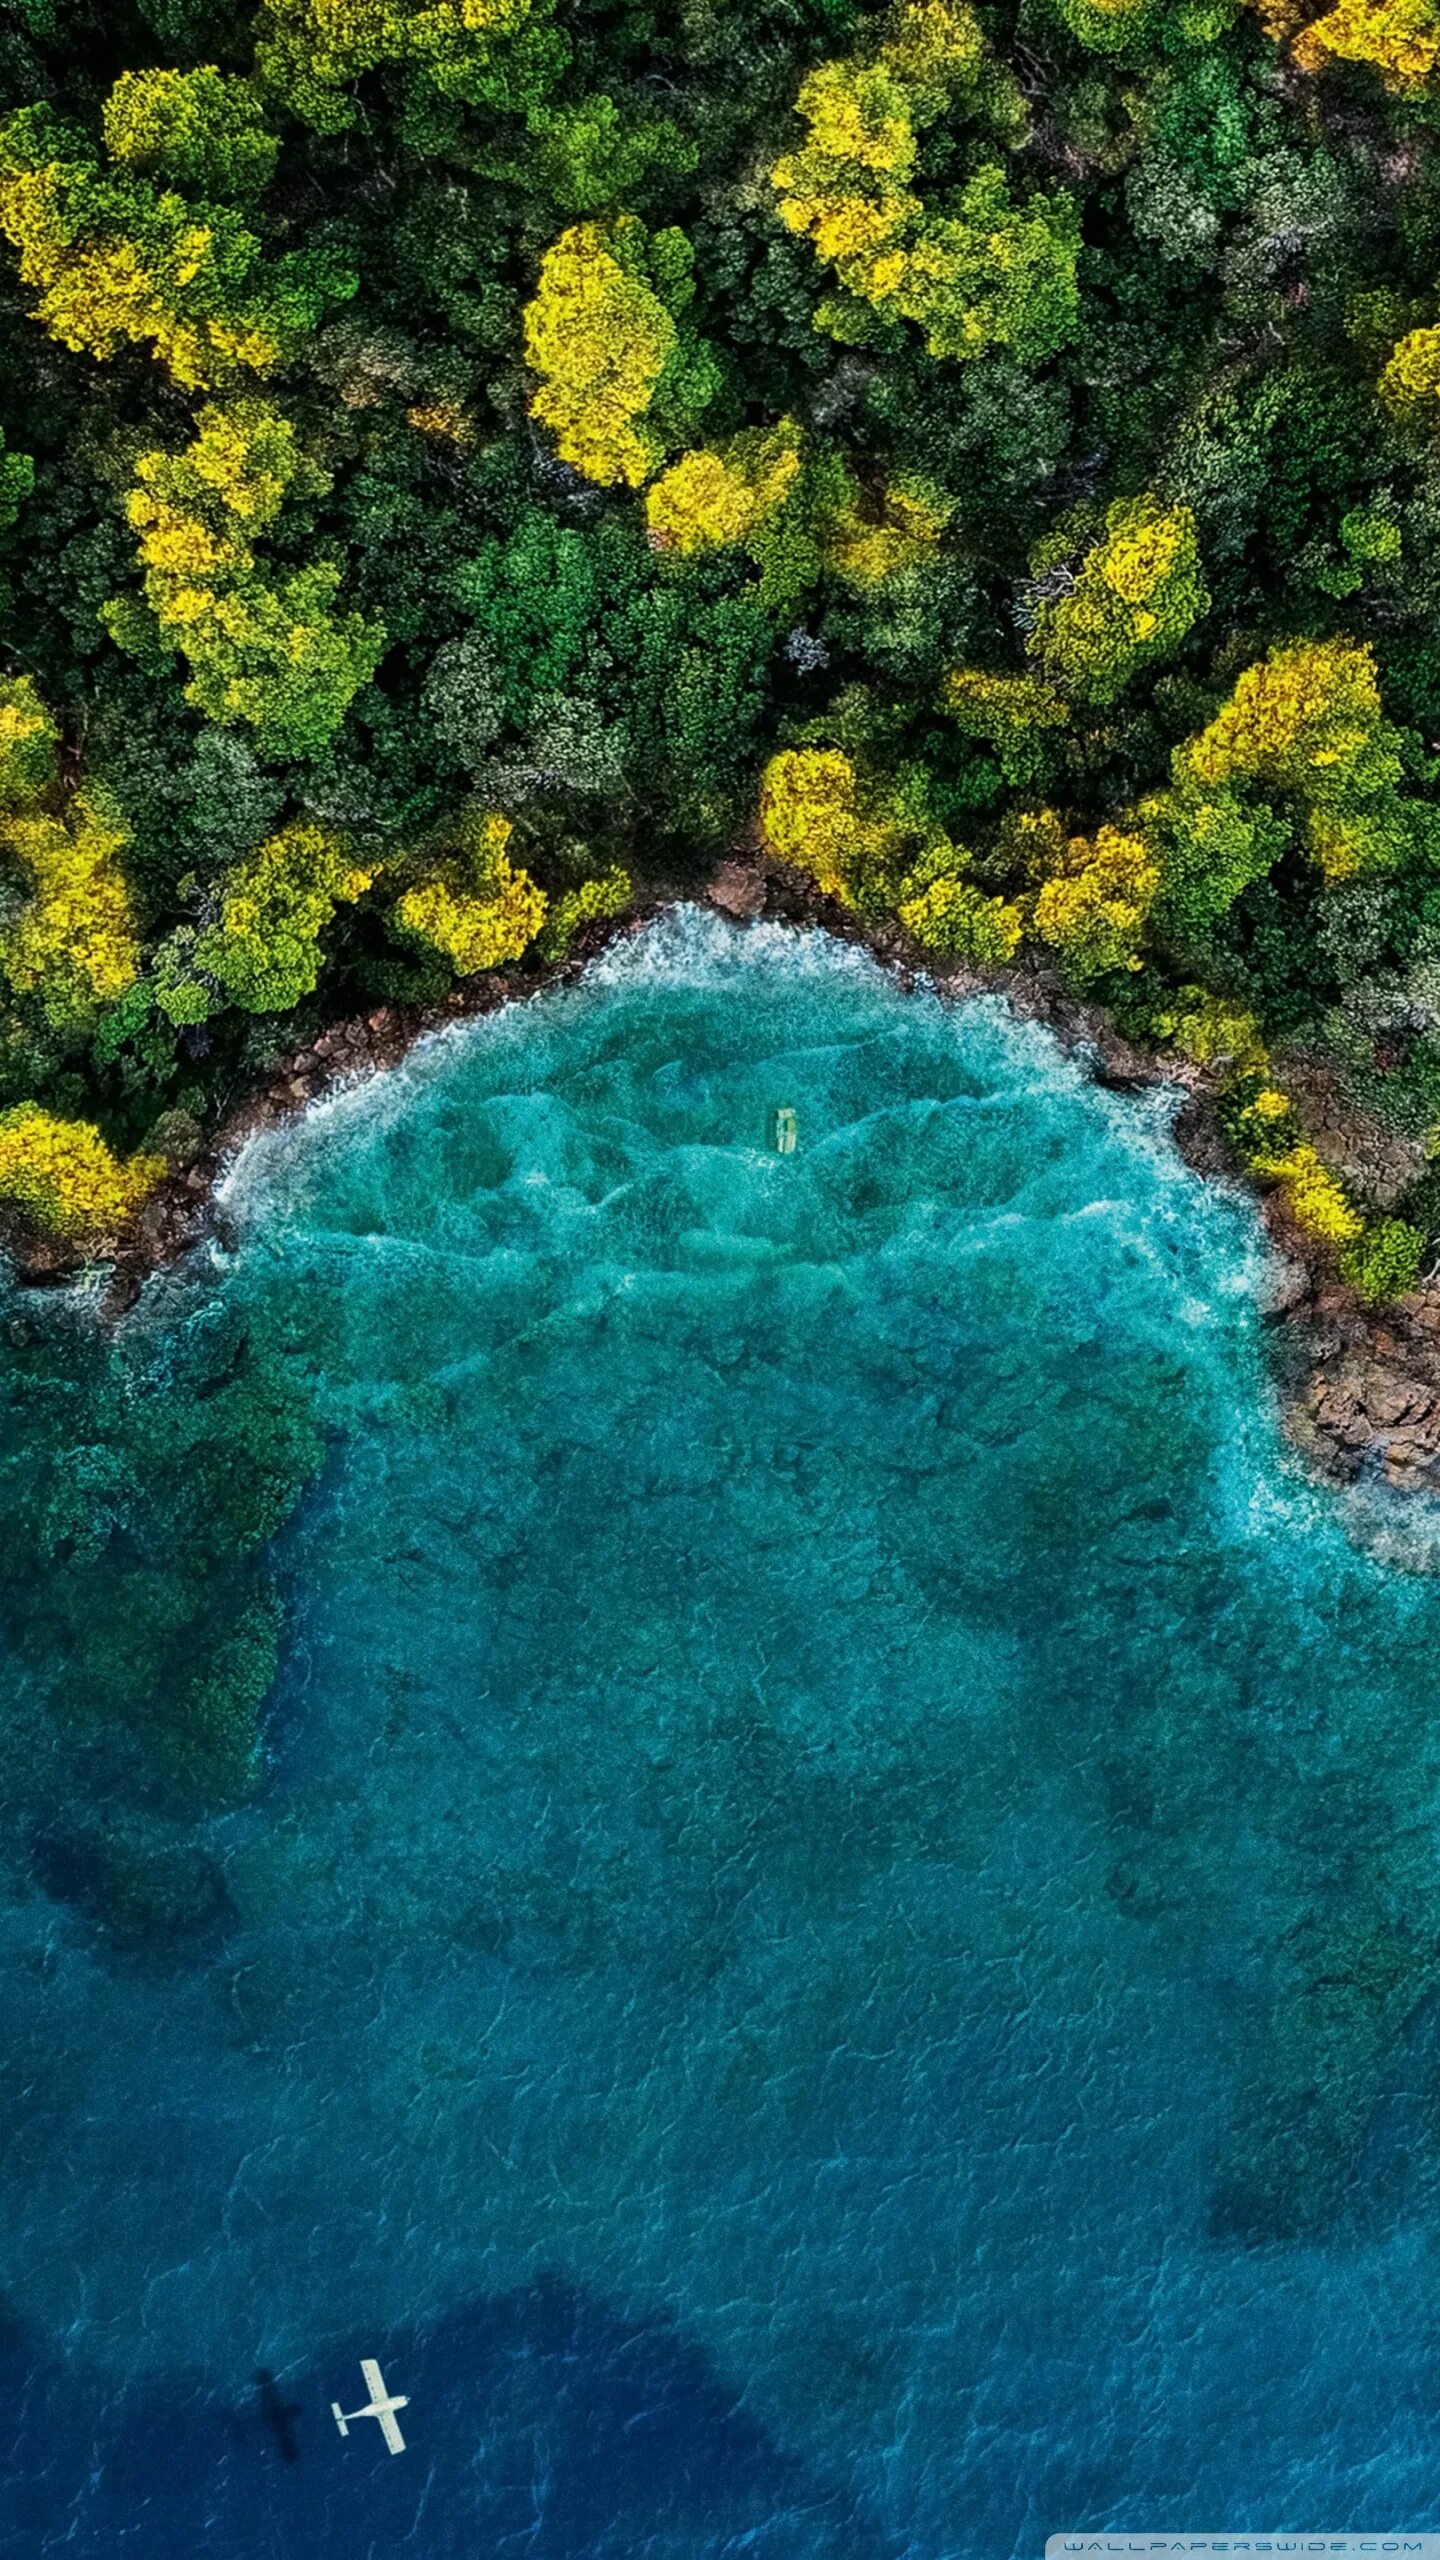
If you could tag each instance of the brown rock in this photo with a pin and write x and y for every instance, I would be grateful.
(737, 890)
(1287, 1286)
(1396, 1401)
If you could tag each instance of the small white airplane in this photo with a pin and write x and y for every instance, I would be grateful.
(380, 2405)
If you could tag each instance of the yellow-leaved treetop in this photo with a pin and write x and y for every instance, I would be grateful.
(1137, 592)
(953, 916)
(1410, 383)
(937, 49)
(68, 947)
(1317, 1197)
(1306, 722)
(982, 273)
(1400, 39)
(29, 745)
(1106, 26)
(1380, 1259)
(869, 842)
(75, 944)
(816, 812)
(72, 943)
(122, 256)
(1093, 907)
(266, 644)
(1300, 757)
(201, 129)
(710, 498)
(479, 909)
(620, 378)
(847, 187)
(876, 534)
(64, 1178)
(797, 509)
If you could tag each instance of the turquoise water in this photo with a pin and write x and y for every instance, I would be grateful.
(835, 1950)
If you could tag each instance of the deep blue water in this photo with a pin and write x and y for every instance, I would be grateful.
(835, 1953)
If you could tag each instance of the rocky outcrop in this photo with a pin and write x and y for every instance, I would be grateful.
(1369, 1401)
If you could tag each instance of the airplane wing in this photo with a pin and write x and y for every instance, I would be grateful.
(374, 2379)
(390, 2430)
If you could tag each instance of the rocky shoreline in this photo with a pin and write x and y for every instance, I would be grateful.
(1360, 1386)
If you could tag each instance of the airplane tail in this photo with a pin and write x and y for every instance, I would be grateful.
(339, 2417)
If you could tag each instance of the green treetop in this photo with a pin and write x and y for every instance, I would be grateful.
(497, 53)
(264, 950)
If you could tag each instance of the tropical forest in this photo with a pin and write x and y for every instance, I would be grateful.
(463, 462)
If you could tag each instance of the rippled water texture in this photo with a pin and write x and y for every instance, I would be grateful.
(836, 1952)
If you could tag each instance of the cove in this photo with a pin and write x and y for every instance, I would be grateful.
(836, 1950)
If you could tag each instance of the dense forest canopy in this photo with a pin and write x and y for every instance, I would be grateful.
(461, 456)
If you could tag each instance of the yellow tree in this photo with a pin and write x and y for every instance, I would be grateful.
(868, 840)
(1117, 26)
(200, 129)
(491, 52)
(980, 273)
(478, 909)
(29, 745)
(1137, 592)
(1093, 907)
(708, 499)
(817, 812)
(267, 644)
(1400, 39)
(64, 1178)
(878, 533)
(1306, 721)
(73, 943)
(117, 260)
(621, 380)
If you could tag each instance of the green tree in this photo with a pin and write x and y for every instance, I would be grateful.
(264, 950)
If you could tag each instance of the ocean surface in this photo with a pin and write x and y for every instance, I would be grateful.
(831, 1949)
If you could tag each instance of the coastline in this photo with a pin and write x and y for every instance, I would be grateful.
(1359, 1385)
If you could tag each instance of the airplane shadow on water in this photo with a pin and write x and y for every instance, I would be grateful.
(538, 2423)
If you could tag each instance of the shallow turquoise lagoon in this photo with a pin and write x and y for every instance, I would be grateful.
(836, 1950)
